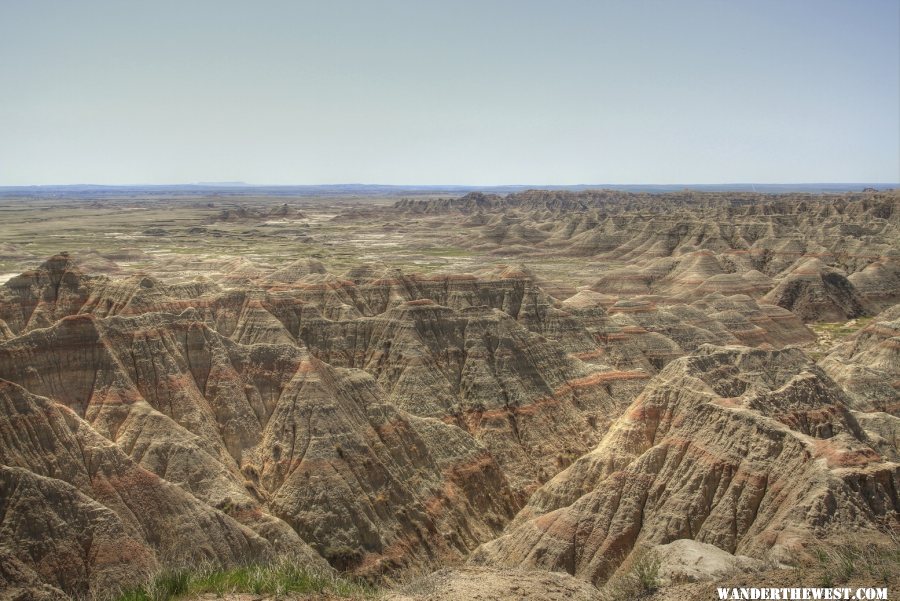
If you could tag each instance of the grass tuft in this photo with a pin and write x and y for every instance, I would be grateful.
(841, 564)
(278, 578)
(640, 580)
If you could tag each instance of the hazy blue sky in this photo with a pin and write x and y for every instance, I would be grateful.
(463, 92)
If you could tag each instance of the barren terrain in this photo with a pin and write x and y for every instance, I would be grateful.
(543, 394)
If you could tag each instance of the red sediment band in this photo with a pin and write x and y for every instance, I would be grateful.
(613, 336)
(384, 282)
(420, 302)
(702, 454)
(250, 513)
(338, 285)
(601, 378)
(589, 355)
(560, 525)
(805, 273)
(463, 470)
(132, 479)
(634, 330)
(474, 417)
(392, 427)
(837, 456)
(650, 308)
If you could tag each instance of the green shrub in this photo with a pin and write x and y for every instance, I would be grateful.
(641, 578)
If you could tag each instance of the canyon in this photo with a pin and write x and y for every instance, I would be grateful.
(528, 390)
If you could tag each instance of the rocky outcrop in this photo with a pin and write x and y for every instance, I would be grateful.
(38, 298)
(814, 292)
(685, 245)
(686, 560)
(60, 288)
(87, 518)
(295, 271)
(867, 365)
(753, 451)
(385, 420)
(879, 282)
(534, 407)
(265, 436)
(19, 581)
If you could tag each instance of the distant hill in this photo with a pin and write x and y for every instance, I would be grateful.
(237, 188)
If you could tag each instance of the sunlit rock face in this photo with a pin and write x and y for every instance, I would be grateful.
(385, 420)
(753, 451)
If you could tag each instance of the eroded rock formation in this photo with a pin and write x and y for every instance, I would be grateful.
(753, 451)
(383, 419)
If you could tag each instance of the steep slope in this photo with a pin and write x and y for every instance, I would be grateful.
(87, 518)
(529, 403)
(61, 287)
(752, 451)
(879, 282)
(815, 292)
(37, 298)
(867, 365)
(535, 380)
(270, 436)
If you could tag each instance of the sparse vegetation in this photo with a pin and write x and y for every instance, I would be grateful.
(840, 329)
(277, 578)
(646, 569)
(343, 557)
(641, 578)
(830, 334)
(843, 563)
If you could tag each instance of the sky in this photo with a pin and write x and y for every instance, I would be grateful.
(482, 92)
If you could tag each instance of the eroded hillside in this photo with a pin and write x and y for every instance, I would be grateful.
(566, 379)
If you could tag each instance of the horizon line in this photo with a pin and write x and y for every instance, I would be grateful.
(240, 184)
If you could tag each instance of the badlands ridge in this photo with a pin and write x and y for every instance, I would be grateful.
(604, 373)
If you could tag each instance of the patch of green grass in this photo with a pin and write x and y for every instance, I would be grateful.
(646, 570)
(841, 329)
(168, 584)
(641, 579)
(278, 578)
(841, 564)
